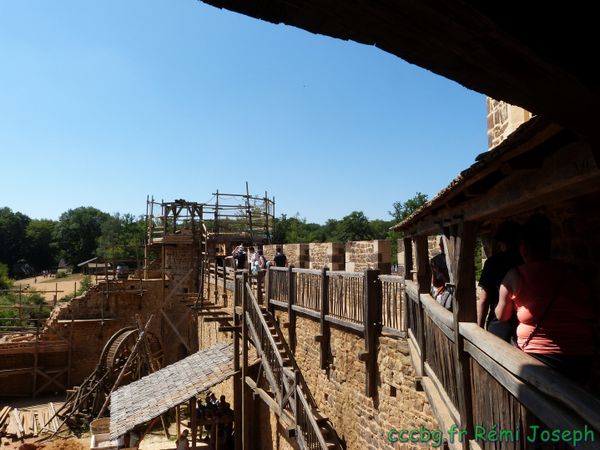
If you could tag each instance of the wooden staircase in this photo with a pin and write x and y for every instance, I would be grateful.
(289, 395)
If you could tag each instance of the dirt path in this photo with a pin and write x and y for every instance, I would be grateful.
(67, 285)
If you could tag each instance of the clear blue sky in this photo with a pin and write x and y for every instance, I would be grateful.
(104, 102)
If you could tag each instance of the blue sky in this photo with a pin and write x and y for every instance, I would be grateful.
(104, 102)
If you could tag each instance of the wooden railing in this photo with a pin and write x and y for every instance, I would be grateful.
(392, 303)
(308, 289)
(278, 285)
(291, 392)
(347, 296)
(480, 383)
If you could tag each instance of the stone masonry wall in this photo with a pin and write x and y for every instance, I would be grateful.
(297, 255)
(327, 254)
(502, 119)
(362, 422)
(362, 255)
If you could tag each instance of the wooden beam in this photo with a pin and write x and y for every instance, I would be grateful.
(464, 237)
(372, 318)
(324, 329)
(174, 328)
(291, 302)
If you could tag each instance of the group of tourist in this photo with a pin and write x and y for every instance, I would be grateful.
(530, 299)
(258, 261)
(215, 424)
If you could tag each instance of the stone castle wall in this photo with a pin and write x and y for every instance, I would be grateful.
(327, 254)
(362, 255)
(502, 119)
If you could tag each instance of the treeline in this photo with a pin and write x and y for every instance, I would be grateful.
(83, 233)
(80, 234)
(353, 227)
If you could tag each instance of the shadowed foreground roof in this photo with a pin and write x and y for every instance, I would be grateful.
(149, 397)
(511, 50)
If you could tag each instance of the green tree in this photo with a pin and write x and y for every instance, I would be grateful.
(122, 237)
(12, 236)
(5, 281)
(404, 209)
(355, 227)
(77, 233)
(41, 250)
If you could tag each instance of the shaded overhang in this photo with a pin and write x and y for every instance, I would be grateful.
(538, 165)
(536, 55)
(152, 395)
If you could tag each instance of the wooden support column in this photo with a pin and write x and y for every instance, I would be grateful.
(408, 271)
(372, 322)
(178, 419)
(464, 310)
(424, 283)
(216, 283)
(324, 336)
(290, 311)
(270, 307)
(246, 407)
(194, 424)
(224, 296)
(237, 377)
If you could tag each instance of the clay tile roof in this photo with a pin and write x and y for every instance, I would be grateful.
(149, 397)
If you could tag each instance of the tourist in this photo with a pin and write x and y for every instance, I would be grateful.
(439, 278)
(182, 442)
(552, 305)
(280, 259)
(239, 254)
(494, 270)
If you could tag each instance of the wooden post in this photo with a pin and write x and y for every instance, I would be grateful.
(246, 408)
(224, 296)
(178, 419)
(324, 337)
(424, 283)
(268, 288)
(194, 424)
(216, 283)
(408, 269)
(35, 357)
(290, 311)
(372, 322)
(237, 378)
(70, 354)
(464, 310)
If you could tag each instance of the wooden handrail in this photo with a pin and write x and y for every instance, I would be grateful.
(311, 419)
(534, 372)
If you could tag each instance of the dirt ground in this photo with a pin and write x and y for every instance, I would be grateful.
(50, 284)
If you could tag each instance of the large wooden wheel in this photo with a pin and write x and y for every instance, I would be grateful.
(118, 349)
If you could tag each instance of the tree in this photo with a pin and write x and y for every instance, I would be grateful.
(5, 282)
(404, 209)
(77, 233)
(41, 250)
(355, 227)
(12, 236)
(121, 238)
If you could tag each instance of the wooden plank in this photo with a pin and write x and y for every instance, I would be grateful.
(324, 328)
(440, 411)
(372, 323)
(464, 309)
(291, 313)
(345, 324)
(550, 412)
(440, 315)
(306, 312)
(534, 372)
(454, 414)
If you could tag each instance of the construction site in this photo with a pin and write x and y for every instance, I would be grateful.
(332, 350)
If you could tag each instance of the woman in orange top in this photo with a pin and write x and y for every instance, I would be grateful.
(552, 305)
